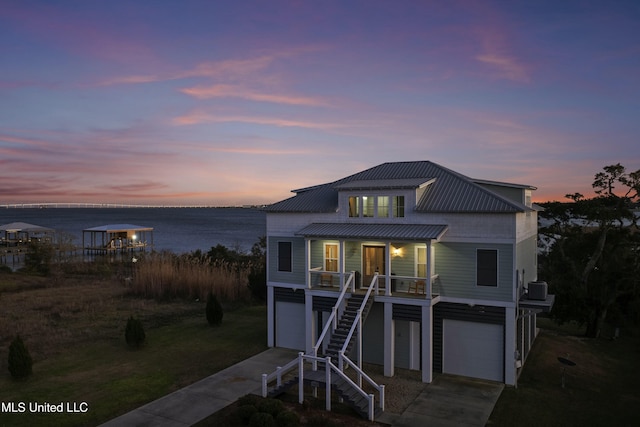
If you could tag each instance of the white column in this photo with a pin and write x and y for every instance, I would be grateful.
(387, 261)
(414, 346)
(307, 261)
(429, 271)
(389, 340)
(510, 345)
(270, 317)
(427, 343)
(310, 322)
(341, 262)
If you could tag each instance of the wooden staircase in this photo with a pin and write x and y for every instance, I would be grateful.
(317, 378)
(345, 323)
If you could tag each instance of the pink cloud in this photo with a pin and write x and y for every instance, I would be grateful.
(201, 117)
(234, 91)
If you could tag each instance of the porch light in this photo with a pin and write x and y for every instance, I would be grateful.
(397, 252)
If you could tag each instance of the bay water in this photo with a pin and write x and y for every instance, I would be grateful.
(180, 230)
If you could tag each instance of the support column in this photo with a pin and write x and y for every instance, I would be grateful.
(271, 317)
(389, 340)
(310, 323)
(510, 321)
(307, 261)
(341, 262)
(427, 343)
(387, 276)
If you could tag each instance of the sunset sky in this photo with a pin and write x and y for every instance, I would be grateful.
(239, 102)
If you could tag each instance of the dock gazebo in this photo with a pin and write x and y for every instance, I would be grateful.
(22, 233)
(117, 238)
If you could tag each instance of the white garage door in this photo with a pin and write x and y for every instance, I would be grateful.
(290, 325)
(473, 349)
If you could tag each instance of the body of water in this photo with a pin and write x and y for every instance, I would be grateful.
(179, 230)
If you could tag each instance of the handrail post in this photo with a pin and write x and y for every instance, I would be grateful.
(264, 385)
(335, 317)
(300, 378)
(382, 397)
(371, 400)
(278, 376)
(353, 281)
(328, 383)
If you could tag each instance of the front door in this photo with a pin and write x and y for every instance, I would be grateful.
(372, 263)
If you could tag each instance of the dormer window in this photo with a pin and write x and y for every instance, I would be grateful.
(376, 206)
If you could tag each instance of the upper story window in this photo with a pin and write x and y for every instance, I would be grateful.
(398, 206)
(284, 256)
(383, 206)
(487, 267)
(376, 206)
(354, 206)
(368, 206)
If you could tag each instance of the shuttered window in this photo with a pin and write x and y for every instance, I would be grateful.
(284, 256)
(487, 267)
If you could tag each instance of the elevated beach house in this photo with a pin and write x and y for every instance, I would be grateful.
(407, 265)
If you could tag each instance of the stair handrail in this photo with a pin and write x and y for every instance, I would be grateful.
(372, 285)
(331, 367)
(332, 322)
(362, 374)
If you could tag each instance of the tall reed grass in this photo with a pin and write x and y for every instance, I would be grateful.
(164, 275)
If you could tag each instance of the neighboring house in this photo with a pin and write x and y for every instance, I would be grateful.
(448, 258)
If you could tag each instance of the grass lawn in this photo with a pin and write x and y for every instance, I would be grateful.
(75, 333)
(601, 390)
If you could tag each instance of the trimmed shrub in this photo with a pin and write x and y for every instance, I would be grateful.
(245, 412)
(288, 419)
(20, 362)
(262, 419)
(270, 406)
(248, 399)
(134, 333)
(214, 310)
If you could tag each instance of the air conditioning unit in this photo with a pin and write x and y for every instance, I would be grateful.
(538, 290)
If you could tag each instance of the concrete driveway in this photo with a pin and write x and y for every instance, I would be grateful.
(449, 401)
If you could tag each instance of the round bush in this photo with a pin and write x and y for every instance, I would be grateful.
(245, 412)
(262, 419)
(248, 399)
(288, 419)
(270, 406)
(213, 310)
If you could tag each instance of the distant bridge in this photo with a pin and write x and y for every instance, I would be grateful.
(92, 205)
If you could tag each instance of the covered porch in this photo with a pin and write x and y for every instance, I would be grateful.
(402, 255)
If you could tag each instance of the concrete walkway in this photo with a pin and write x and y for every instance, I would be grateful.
(196, 402)
(447, 401)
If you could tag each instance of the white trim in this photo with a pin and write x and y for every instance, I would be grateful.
(469, 301)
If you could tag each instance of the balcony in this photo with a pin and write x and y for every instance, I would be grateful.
(401, 286)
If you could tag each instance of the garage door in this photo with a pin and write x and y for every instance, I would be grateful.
(290, 325)
(473, 349)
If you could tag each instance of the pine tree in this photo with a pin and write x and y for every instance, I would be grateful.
(134, 333)
(214, 310)
(20, 362)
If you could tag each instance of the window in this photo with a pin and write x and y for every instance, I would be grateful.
(368, 206)
(398, 206)
(354, 206)
(487, 267)
(284, 256)
(331, 257)
(383, 206)
(421, 262)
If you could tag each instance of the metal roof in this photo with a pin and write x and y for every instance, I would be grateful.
(398, 232)
(386, 184)
(115, 228)
(448, 191)
(15, 227)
